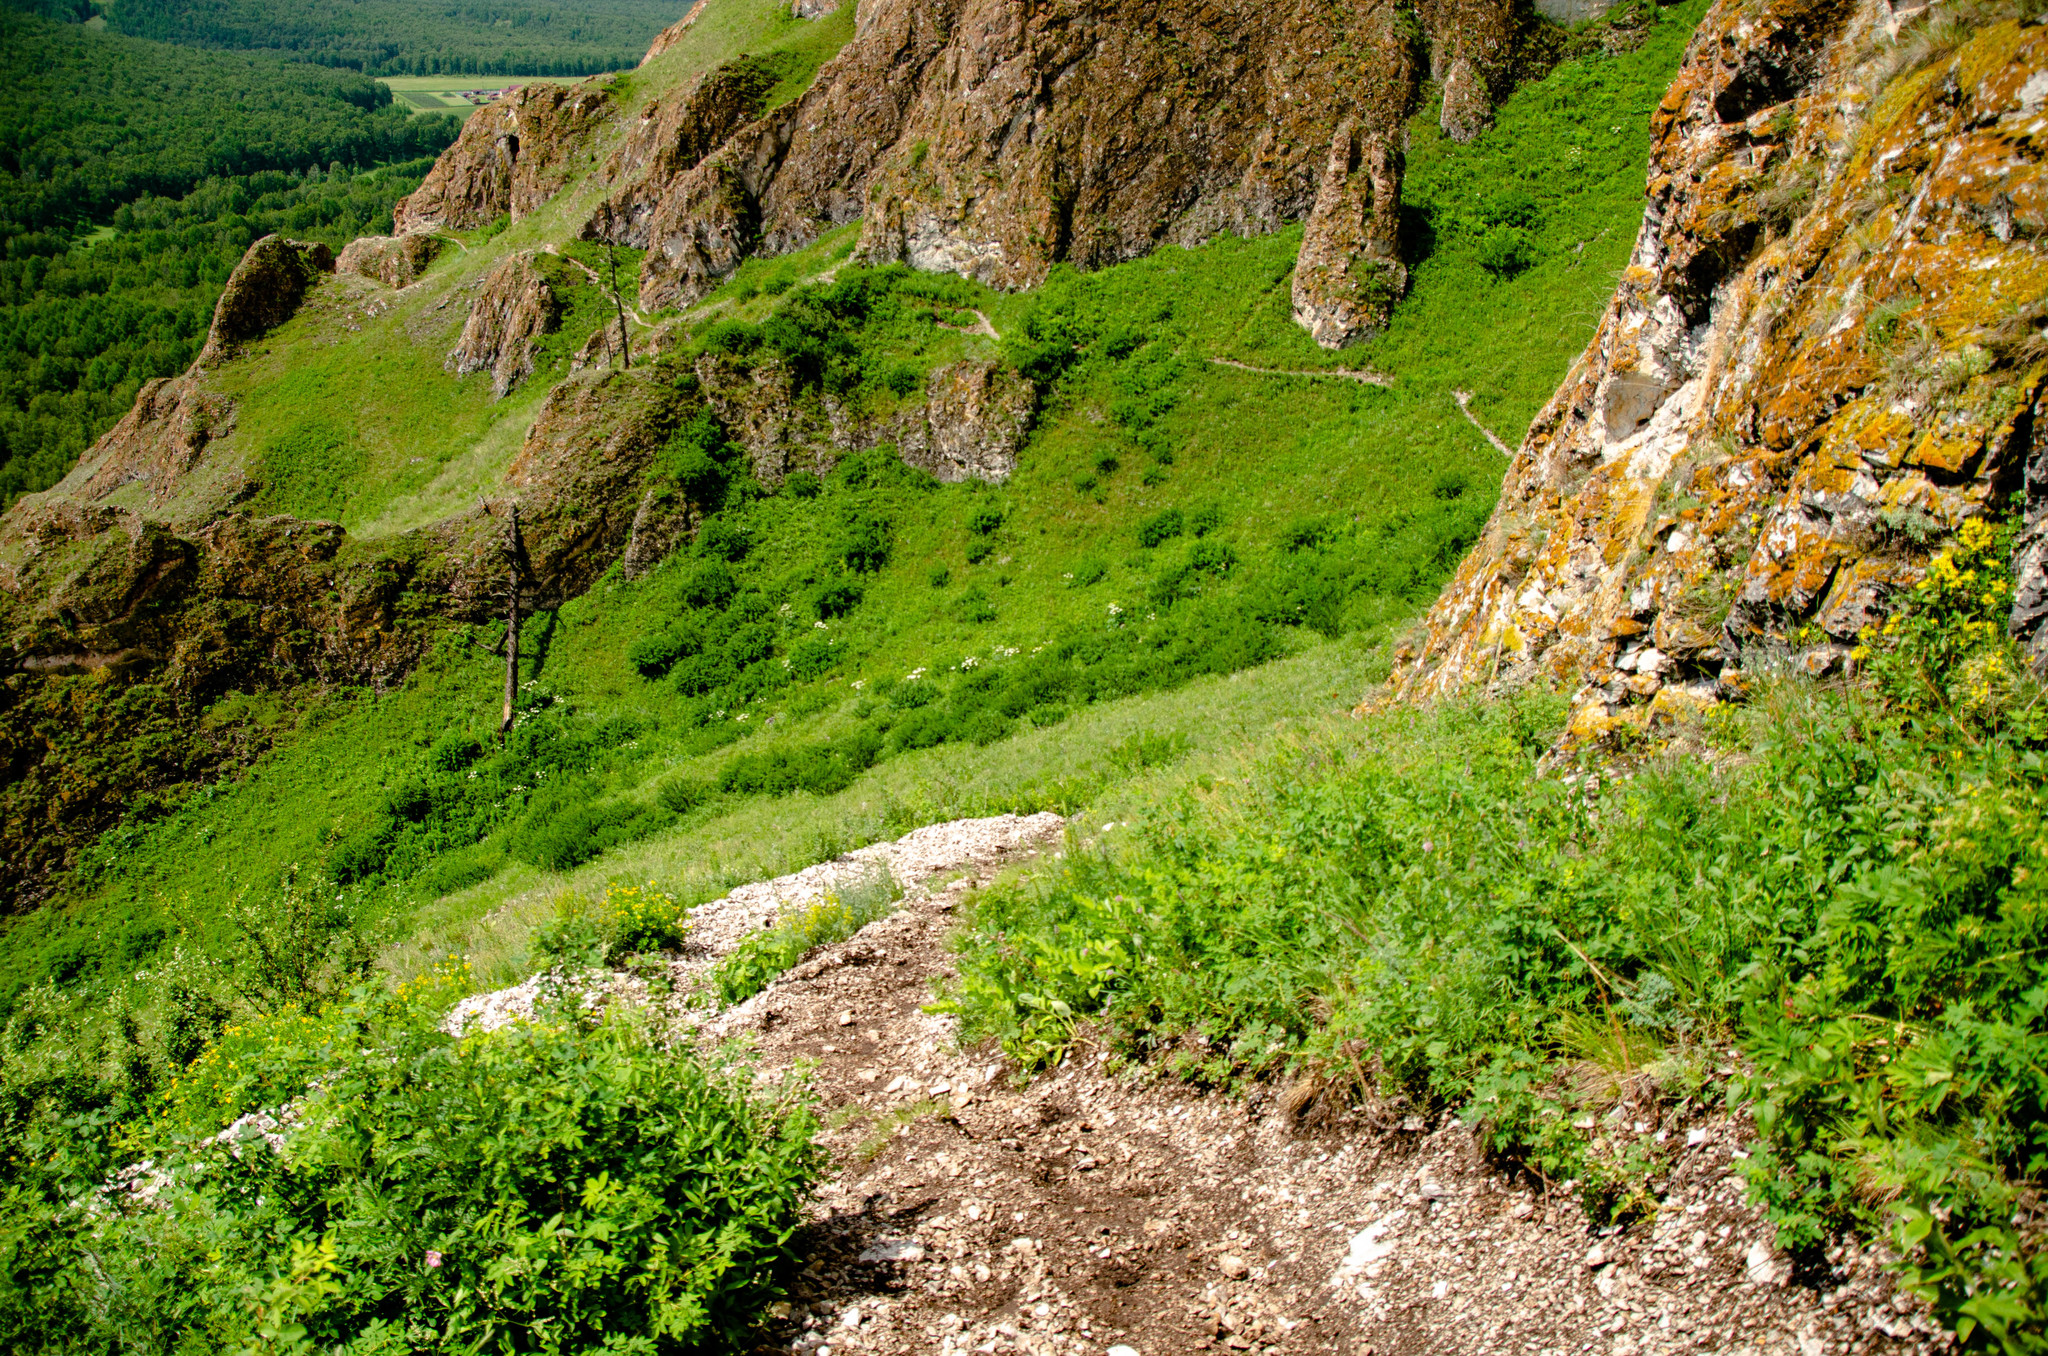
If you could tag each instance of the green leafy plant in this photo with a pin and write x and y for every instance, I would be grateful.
(763, 956)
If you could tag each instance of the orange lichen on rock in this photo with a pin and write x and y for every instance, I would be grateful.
(1825, 355)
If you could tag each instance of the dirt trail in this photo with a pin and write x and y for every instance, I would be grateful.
(1341, 373)
(1098, 1214)
(1464, 399)
(981, 325)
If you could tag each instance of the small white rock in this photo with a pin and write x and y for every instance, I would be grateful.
(893, 1250)
(1596, 1256)
(846, 1018)
(1233, 1266)
(1121, 1350)
(850, 1319)
(1766, 1265)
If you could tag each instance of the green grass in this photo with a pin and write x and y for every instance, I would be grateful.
(1384, 486)
(1414, 905)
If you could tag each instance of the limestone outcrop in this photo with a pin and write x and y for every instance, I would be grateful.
(1825, 355)
(511, 158)
(514, 310)
(262, 293)
(394, 260)
(1349, 273)
(971, 423)
(991, 140)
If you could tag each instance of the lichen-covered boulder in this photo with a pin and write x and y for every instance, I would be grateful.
(394, 260)
(1349, 273)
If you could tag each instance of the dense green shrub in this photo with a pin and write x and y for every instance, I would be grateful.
(563, 1186)
(1161, 526)
(567, 824)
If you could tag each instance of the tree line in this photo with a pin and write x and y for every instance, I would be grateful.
(406, 37)
(188, 156)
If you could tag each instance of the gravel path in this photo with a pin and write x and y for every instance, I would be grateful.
(1085, 1211)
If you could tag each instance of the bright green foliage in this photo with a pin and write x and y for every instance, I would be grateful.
(554, 1186)
(756, 962)
(184, 158)
(630, 920)
(96, 120)
(1857, 903)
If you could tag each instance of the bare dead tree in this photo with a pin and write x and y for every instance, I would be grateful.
(625, 340)
(515, 568)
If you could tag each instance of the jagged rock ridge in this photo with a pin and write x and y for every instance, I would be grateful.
(1825, 355)
(984, 139)
(514, 310)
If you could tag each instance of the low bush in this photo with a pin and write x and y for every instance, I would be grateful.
(629, 920)
(579, 1180)
(756, 962)
(1160, 527)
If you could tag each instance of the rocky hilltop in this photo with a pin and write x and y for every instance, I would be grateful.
(1825, 356)
(991, 140)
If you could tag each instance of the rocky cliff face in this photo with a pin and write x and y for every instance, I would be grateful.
(971, 423)
(511, 157)
(1826, 354)
(514, 310)
(991, 139)
(1349, 273)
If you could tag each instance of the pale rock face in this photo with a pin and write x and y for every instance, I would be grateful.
(1723, 476)
(1349, 273)
(396, 261)
(513, 311)
(1468, 108)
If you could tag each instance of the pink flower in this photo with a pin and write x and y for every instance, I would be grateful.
(433, 1259)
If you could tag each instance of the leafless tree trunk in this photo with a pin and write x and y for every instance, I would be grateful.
(625, 340)
(515, 560)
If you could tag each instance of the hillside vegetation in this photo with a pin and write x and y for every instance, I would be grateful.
(1821, 905)
(135, 176)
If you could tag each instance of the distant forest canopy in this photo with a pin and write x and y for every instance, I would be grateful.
(188, 156)
(90, 120)
(412, 37)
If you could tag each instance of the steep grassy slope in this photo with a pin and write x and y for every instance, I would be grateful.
(1308, 507)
